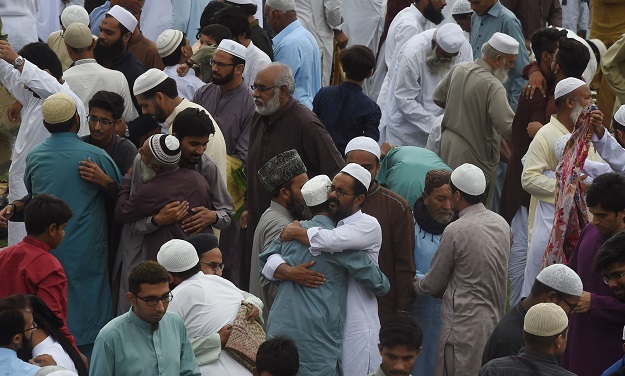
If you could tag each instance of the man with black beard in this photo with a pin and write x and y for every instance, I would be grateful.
(408, 111)
(283, 176)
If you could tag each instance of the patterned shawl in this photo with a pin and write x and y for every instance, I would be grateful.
(570, 206)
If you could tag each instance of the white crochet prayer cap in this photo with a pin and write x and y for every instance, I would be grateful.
(450, 37)
(165, 148)
(315, 191)
(74, 13)
(619, 115)
(148, 80)
(545, 320)
(281, 5)
(363, 143)
(461, 7)
(177, 256)
(567, 85)
(359, 173)
(469, 179)
(560, 145)
(233, 48)
(168, 41)
(124, 17)
(561, 278)
(504, 44)
(58, 108)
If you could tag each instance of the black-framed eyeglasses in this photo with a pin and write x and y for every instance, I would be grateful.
(616, 275)
(219, 65)
(214, 265)
(339, 192)
(571, 306)
(261, 88)
(33, 327)
(103, 122)
(152, 300)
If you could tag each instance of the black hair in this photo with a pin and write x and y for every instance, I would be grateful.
(248, 9)
(187, 273)
(359, 188)
(192, 122)
(208, 13)
(108, 101)
(150, 272)
(607, 190)
(43, 57)
(472, 200)
(539, 288)
(168, 87)
(65, 126)
(572, 57)
(546, 40)
(541, 343)
(43, 211)
(235, 19)
(12, 320)
(401, 330)
(611, 252)
(174, 57)
(357, 62)
(278, 356)
(217, 32)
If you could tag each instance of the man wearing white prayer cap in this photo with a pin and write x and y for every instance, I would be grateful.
(478, 114)
(307, 314)
(611, 147)
(473, 272)
(174, 49)
(557, 284)
(461, 12)
(408, 111)
(544, 330)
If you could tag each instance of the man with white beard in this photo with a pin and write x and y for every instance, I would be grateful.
(408, 110)
(480, 113)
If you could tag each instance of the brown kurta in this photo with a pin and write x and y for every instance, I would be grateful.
(396, 259)
(293, 126)
(145, 51)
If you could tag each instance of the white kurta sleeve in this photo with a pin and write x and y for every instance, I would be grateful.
(610, 151)
(351, 236)
(271, 265)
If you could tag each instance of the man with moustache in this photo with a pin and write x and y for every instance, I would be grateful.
(478, 112)
(408, 111)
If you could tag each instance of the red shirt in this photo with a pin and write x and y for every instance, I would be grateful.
(28, 268)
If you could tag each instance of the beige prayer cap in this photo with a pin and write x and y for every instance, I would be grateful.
(149, 80)
(168, 41)
(469, 179)
(315, 191)
(74, 13)
(177, 256)
(567, 85)
(78, 35)
(281, 5)
(58, 108)
(545, 320)
(504, 44)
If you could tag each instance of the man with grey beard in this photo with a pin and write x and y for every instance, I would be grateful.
(479, 112)
(408, 111)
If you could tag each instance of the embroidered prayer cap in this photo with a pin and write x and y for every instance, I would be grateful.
(165, 148)
(240, 2)
(560, 145)
(78, 35)
(567, 85)
(436, 178)
(58, 108)
(168, 41)
(461, 7)
(177, 256)
(74, 13)
(280, 169)
(233, 48)
(148, 80)
(359, 173)
(504, 44)
(469, 179)
(315, 191)
(363, 143)
(545, 320)
(203, 242)
(561, 278)
(131, 5)
(619, 115)
(450, 37)
(281, 5)
(124, 17)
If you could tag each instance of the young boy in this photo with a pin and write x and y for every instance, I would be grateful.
(277, 357)
(210, 37)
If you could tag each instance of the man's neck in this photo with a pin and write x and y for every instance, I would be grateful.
(565, 119)
(101, 144)
(620, 228)
(38, 336)
(359, 83)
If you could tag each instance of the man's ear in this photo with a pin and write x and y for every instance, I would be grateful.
(285, 193)
(359, 200)
(131, 298)
(127, 36)
(52, 229)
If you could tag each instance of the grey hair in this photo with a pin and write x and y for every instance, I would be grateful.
(490, 51)
(285, 77)
(281, 5)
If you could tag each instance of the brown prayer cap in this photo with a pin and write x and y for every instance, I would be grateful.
(435, 179)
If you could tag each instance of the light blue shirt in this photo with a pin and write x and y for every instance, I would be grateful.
(185, 16)
(296, 47)
(96, 16)
(127, 346)
(500, 19)
(12, 365)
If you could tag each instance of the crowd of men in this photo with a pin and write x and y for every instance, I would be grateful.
(331, 187)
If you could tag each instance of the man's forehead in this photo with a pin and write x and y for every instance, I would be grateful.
(109, 23)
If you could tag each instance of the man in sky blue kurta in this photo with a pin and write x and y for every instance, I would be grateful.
(52, 168)
(314, 317)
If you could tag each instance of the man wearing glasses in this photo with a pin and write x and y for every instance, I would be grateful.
(147, 340)
(597, 323)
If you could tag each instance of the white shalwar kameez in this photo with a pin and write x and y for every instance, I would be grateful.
(364, 22)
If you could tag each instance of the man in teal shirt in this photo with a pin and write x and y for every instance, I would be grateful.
(147, 340)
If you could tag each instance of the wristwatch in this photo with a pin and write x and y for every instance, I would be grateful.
(18, 61)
